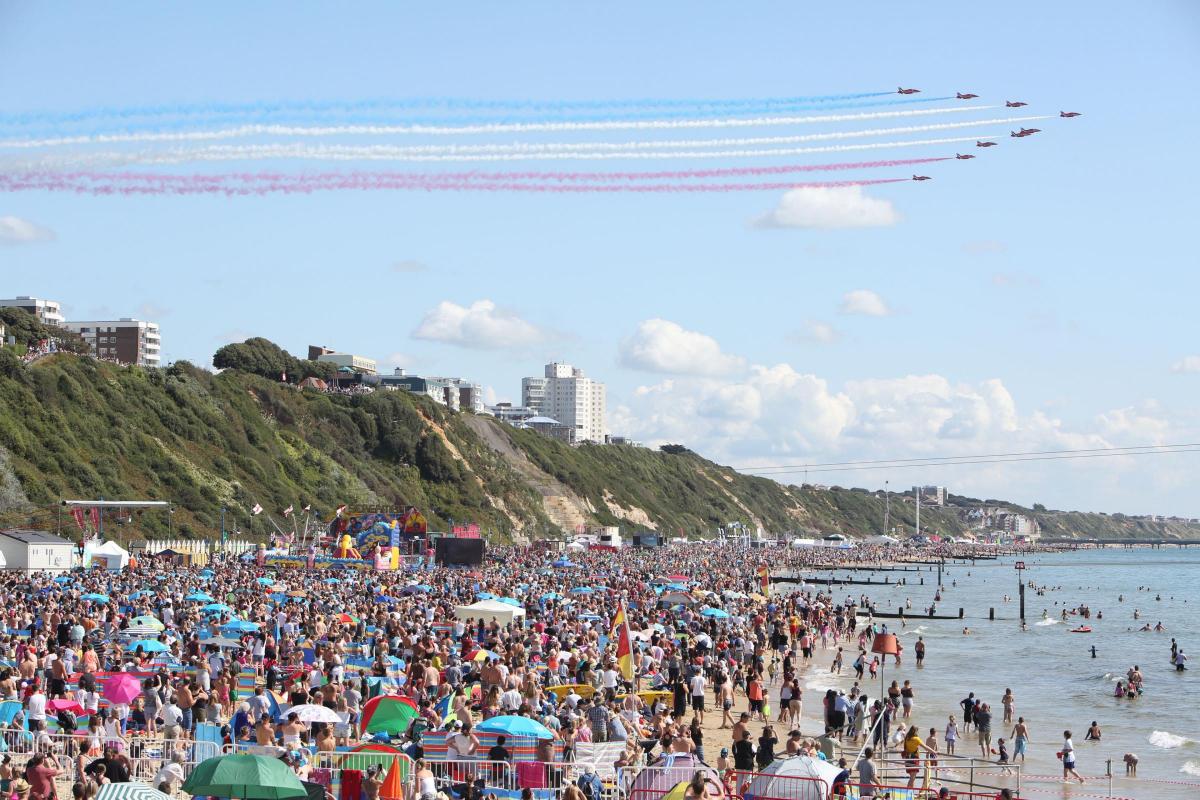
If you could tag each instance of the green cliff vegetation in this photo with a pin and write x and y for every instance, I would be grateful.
(75, 428)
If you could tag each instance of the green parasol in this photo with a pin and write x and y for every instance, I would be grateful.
(245, 777)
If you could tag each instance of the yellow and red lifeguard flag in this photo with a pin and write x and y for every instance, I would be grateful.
(620, 634)
(764, 578)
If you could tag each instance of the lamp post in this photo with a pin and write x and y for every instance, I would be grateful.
(887, 508)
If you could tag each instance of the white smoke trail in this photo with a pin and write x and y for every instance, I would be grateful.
(350, 153)
(245, 131)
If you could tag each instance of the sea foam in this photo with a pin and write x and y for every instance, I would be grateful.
(1168, 741)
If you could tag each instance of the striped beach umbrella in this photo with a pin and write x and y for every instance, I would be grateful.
(129, 791)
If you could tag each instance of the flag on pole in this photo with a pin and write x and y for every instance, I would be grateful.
(256, 509)
(287, 512)
(620, 634)
(764, 578)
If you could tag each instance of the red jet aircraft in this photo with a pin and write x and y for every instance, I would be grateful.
(1068, 113)
(962, 157)
(985, 144)
(900, 90)
(966, 96)
(1014, 104)
(922, 178)
(1025, 132)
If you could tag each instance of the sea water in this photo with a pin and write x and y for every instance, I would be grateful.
(1057, 683)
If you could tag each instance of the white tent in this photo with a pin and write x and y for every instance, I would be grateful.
(796, 778)
(109, 555)
(487, 610)
(882, 539)
(800, 544)
(576, 547)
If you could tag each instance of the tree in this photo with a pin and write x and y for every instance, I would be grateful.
(28, 330)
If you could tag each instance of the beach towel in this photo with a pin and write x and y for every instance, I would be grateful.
(351, 788)
(531, 775)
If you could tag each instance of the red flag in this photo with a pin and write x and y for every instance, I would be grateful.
(764, 576)
(77, 513)
(620, 632)
(95, 512)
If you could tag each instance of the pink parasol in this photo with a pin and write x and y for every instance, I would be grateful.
(122, 688)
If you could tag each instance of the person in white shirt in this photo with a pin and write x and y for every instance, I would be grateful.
(697, 685)
(608, 679)
(35, 710)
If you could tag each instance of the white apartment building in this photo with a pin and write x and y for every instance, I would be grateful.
(567, 395)
(47, 311)
(128, 340)
(361, 364)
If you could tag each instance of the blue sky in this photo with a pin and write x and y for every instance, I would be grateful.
(1037, 299)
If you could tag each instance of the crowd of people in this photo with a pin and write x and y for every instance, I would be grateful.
(707, 637)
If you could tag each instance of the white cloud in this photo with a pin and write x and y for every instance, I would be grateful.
(865, 302)
(819, 332)
(659, 345)
(480, 326)
(779, 415)
(401, 359)
(1187, 364)
(828, 208)
(14, 230)
(409, 265)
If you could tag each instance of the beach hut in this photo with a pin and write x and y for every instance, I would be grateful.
(795, 778)
(488, 610)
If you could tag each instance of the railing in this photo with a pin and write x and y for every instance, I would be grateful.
(958, 773)
(885, 791)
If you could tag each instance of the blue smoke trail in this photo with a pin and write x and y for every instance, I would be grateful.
(11, 128)
(443, 103)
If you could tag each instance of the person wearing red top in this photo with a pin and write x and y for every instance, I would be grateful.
(40, 772)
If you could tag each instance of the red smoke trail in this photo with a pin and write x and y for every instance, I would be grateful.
(170, 186)
(471, 175)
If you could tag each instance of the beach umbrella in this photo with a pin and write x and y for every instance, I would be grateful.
(147, 645)
(515, 726)
(240, 626)
(64, 579)
(564, 563)
(95, 597)
(265, 581)
(220, 641)
(309, 713)
(678, 577)
(347, 619)
(216, 608)
(333, 580)
(483, 655)
(147, 621)
(58, 705)
(715, 613)
(200, 597)
(131, 790)
(552, 596)
(512, 601)
(139, 632)
(582, 590)
(245, 777)
(388, 713)
(484, 596)
(122, 688)
(140, 593)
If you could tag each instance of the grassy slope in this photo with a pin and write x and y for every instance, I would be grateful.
(72, 427)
